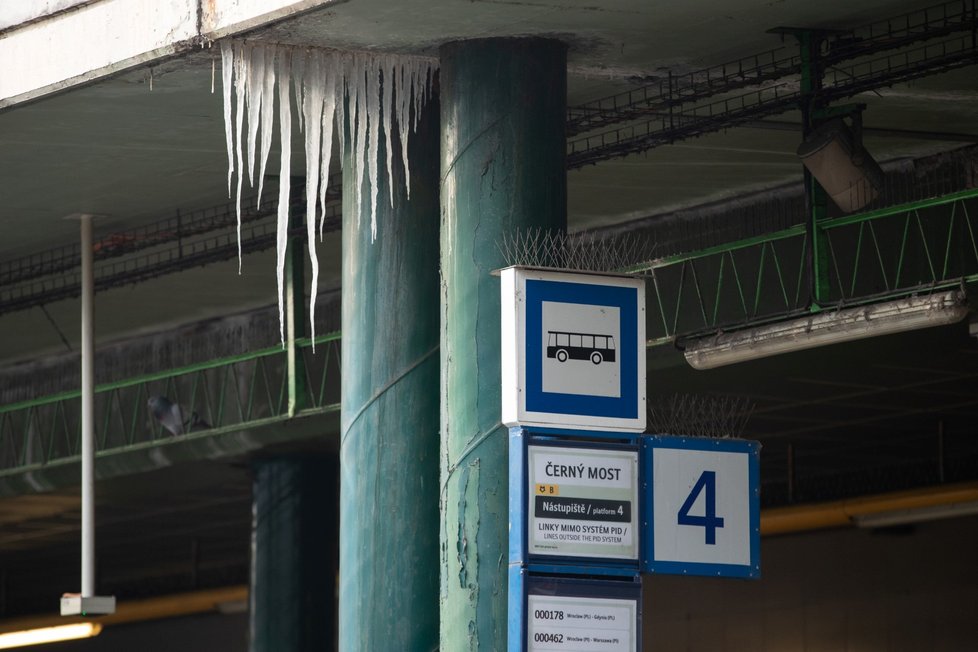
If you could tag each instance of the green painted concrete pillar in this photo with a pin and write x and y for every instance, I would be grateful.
(503, 104)
(389, 448)
(294, 555)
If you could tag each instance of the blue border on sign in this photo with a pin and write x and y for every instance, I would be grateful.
(623, 298)
(516, 606)
(517, 495)
(750, 448)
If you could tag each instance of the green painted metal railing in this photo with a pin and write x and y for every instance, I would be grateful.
(883, 254)
(224, 395)
(887, 253)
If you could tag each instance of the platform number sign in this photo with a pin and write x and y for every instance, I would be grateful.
(702, 501)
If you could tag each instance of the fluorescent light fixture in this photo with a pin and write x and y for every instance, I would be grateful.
(827, 328)
(918, 515)
(48, 635)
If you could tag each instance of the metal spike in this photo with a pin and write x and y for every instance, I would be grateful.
(694, 415)
(584, 251)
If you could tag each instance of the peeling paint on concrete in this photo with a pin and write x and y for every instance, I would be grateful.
(501, 167)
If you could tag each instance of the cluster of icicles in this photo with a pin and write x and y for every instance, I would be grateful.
(331, 89)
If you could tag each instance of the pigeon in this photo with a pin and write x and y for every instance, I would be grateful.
(171, 417)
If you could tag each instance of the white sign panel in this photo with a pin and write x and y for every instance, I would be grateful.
(576, 624)
(573, 348)
(704, 499)
(583, 502)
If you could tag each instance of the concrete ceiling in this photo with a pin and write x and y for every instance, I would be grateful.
(140, 146)
(613, 40)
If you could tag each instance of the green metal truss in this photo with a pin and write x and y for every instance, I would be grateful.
(228, 394)
(879, 255)
(868, 257)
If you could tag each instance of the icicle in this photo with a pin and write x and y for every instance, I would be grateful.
(420, 89)
(267, 114)
(373, 114)
(284, 189)
(299, 77)
(352, 104)
(403, 115)
(240, 75)
(340, 81)
(358, 94)
(227, 70)
(312, 108)
(388, 105)
(418, 68)
(254, 89)
(350, 112)
(329, 112)
(213, 74)
(360, 120)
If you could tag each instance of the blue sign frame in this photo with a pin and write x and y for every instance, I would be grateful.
(752, 570)
(522, 583)
(625, 406)
(520, 440)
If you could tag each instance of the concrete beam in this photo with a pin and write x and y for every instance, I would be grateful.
(220, 18)
(14, 14)
(319, 426)
(65, 44)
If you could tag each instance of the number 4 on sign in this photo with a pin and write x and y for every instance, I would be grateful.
(709, 521)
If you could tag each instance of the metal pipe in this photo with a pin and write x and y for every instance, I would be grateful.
(846, 513)
(87, 410)
(916, 134)
(229, 599)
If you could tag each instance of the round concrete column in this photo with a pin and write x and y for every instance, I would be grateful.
(503, 105)
(294, 555)
(389, 449)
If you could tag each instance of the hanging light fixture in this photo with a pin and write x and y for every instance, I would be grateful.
(41, 635)
(826, 328)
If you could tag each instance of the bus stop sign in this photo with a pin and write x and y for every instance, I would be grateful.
(573, 350)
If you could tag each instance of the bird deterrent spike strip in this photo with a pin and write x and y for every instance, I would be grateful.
(583, 251)
(694, 415)
(372, 90)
